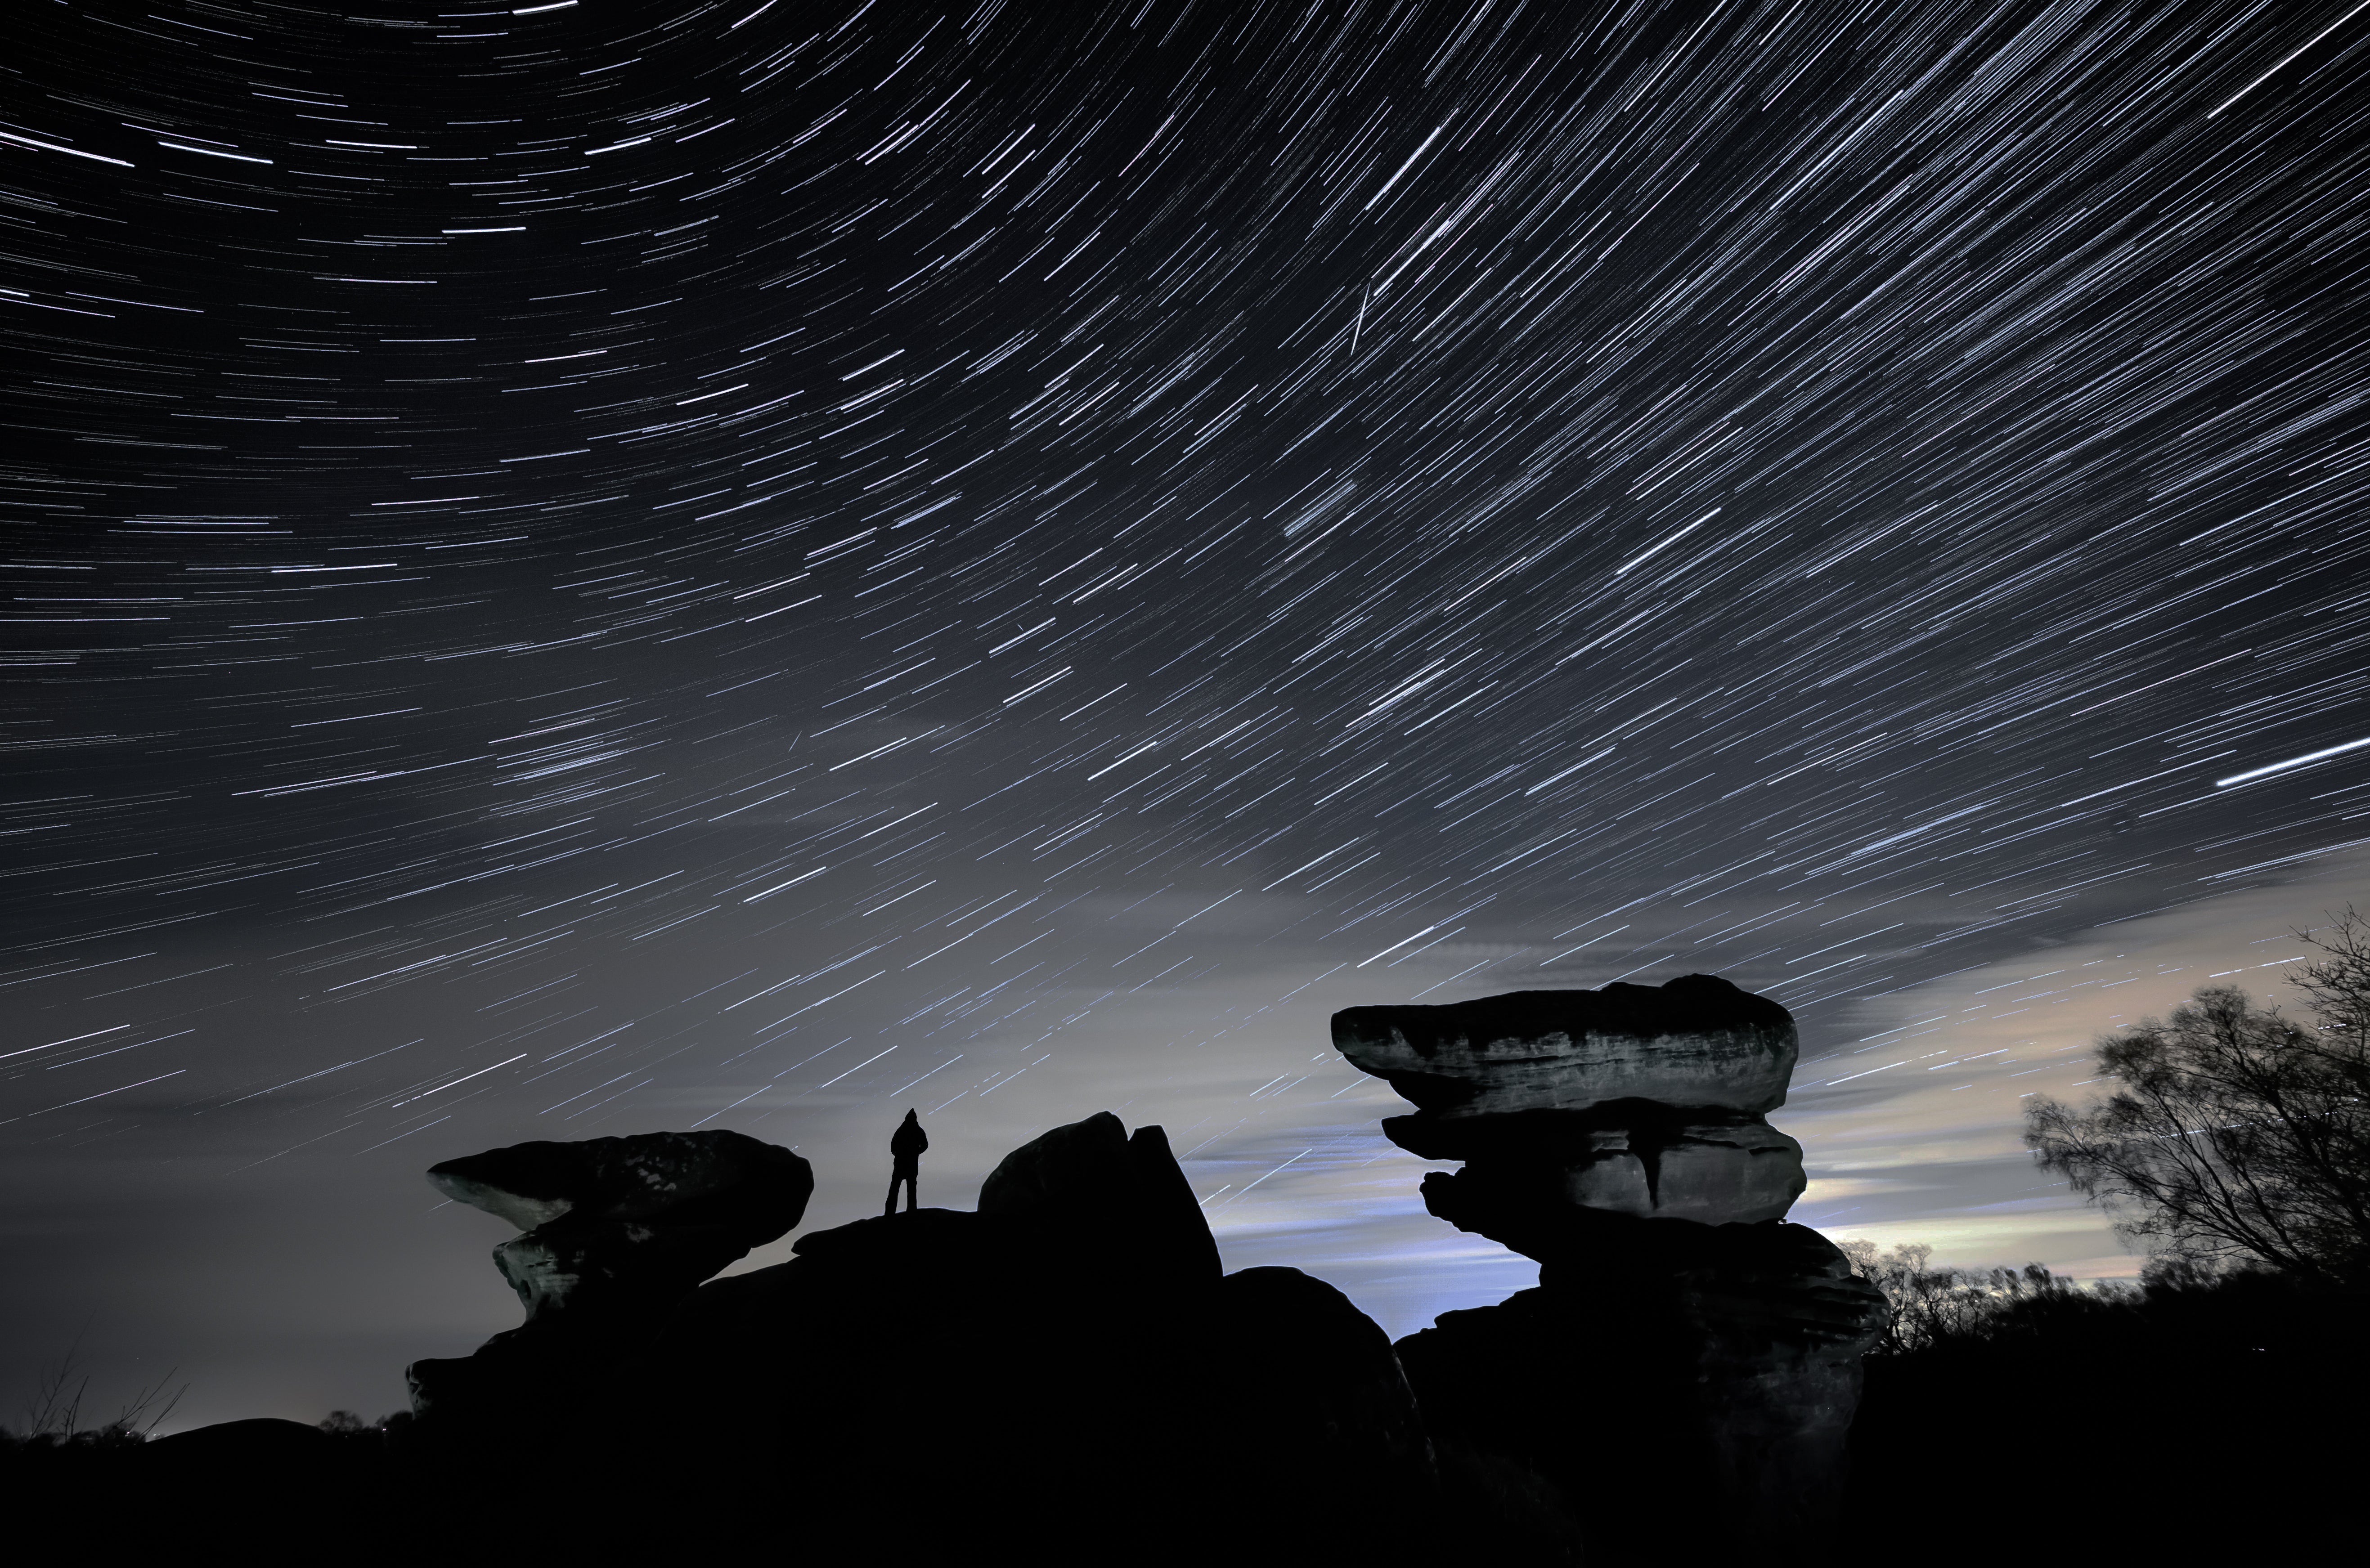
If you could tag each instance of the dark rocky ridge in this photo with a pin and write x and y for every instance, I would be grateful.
(1067, 1373)
(1065, 1367)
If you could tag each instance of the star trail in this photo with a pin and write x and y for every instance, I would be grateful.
(590, 566)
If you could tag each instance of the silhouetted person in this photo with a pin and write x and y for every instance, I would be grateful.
(905, 1146)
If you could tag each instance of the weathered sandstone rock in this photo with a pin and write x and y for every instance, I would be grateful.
(1637, 1100)
(1688, 1355)
(1718, 1174)
(1696, 1042)
(618, 1231)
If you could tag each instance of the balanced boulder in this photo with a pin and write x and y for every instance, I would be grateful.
(1119, 1195)
(1637, 1100)
(1688, 1361)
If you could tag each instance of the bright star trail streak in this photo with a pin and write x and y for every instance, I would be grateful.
(1055, 546)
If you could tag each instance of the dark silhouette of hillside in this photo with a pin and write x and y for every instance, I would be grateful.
(2197, 1419)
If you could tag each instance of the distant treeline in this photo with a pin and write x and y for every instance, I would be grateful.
(1934, 1305)
(2156, 1418)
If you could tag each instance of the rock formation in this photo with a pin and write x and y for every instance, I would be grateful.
(1689, 1362)
(1069, 1358)
(1091, 1178)
(1316, 1378)
(1086, 1254)
(1065, 1367)
(1068, 1366)
(617, 1232)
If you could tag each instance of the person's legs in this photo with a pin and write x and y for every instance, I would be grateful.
(891, 1207)
(913, 1191)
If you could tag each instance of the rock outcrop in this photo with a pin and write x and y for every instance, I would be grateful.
(1087, 1248)
(1689, 1362)
(617, 1232)
(1070, 1356)
(1316, 1377)
(1068, 1366)
(1090, 1178)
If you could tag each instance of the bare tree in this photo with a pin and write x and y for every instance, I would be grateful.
(2237, 1133)
(147, 1410)
(2168, 1272)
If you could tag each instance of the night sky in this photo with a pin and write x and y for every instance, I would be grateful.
(602, 566)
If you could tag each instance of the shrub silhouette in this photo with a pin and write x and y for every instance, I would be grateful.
(53, 1414)
(2142, 1415)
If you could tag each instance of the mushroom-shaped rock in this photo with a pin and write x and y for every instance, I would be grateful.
(617, 1231)
(1617, 1136)
(1637, 1100)
(626, 1225)
(1697, 1041)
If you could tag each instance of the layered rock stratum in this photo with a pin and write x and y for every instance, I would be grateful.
(1640, 1100)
